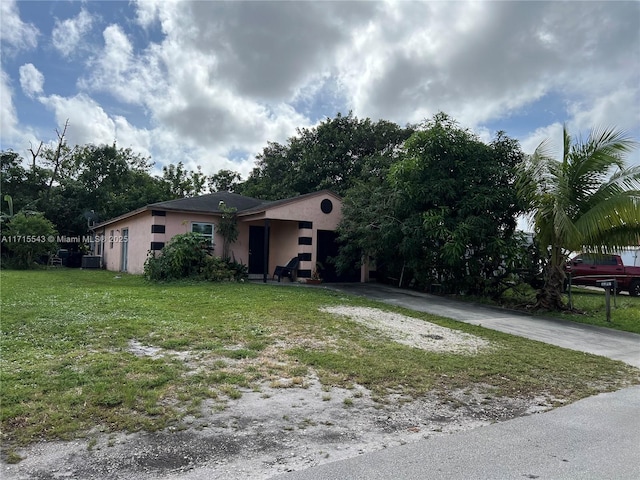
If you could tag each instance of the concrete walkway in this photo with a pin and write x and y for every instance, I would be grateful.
(594, 438)
(607, 342)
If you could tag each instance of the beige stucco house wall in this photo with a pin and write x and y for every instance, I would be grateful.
(294, 226)
(142, 238)
(302, 227)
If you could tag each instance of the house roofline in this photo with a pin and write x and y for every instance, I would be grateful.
(122, 217)
(286, 201)
(150, 208)
(248, 212)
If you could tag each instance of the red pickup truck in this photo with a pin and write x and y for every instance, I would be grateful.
(588, 268)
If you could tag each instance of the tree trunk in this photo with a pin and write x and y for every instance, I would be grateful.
(57, 159)
(550, 296)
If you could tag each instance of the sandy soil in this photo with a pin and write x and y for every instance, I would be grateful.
(275, 430)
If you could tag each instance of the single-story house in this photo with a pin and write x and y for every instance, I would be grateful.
(270, 233)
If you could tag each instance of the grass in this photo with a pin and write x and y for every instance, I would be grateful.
(589, 306)
(71, 361)
(625, 311)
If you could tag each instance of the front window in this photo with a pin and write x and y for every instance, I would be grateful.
(205, 229)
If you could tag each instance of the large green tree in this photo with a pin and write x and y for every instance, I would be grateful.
(460, 206)
(586, 201)
(224, 181)
(180, 182)
(443, 211)
(105, 181)
(329, 156)
(370, 228)
(24, 185)
(74, 186)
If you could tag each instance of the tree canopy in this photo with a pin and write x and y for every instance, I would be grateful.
(444, 214)
(74, 187)
(330, 156)
(29, 236)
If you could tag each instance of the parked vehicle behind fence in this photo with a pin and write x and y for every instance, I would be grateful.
(588, 268)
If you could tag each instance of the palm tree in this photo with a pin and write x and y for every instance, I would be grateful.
(586, 201)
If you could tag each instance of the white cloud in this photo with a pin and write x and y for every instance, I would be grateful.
(31, 80)
(169, 147)
(219, 78)
(264, 50)
(14, 33)
(117, 51)
(615, 107)
(147, 12)
(481, 62)
(8, 116)
(178, 86)
(67, 34)
(14, 136)
(446, 56)
(552, 134)
(88, 122)
(115, 70)
(128, 136)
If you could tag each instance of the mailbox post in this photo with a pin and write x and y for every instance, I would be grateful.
(608, 285)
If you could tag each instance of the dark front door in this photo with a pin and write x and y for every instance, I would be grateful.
(327, 248)
(256, 250)
(124, 259)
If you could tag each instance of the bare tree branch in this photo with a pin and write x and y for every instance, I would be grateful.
(35, 155)
(57, 160)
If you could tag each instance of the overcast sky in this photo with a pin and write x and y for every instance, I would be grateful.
(210, 83)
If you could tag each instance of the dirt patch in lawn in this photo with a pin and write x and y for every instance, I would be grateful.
(281, 426)
(412, 331)
(267, 433)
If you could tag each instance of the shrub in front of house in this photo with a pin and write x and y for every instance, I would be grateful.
(217, 269)
(189, 256)
(27, 238)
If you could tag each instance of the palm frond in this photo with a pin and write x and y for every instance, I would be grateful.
(611, 142)
(592, 162)
(620, 213)
(533, 175)
(617, 239)
(627, 180)
(565, 229)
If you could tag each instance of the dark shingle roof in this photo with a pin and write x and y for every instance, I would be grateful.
(209, 203)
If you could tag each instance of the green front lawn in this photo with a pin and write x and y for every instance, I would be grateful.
(625, 310)
(91, 349)
(589, 307)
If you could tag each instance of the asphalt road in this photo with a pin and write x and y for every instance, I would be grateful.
(594, 438)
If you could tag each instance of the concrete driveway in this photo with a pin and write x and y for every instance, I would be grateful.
(594, 438)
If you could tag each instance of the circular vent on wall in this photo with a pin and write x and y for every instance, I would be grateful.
(326, 206)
